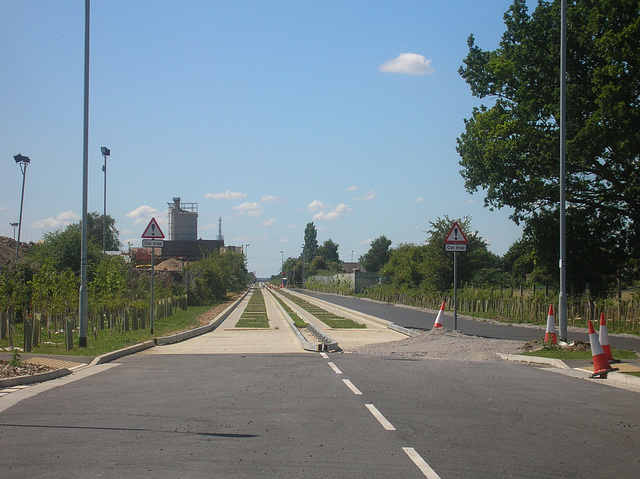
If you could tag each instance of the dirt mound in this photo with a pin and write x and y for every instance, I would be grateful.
(8, 250)
(442, 343)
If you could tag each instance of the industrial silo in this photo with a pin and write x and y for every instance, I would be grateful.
(183, 221)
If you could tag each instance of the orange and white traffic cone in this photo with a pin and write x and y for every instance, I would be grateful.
(551, 336)
(604, 340)
(438, 324)
(600, 364)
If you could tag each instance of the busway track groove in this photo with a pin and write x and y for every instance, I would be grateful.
(411, 453)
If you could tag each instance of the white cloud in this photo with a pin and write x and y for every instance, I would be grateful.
(367, 196)
(63, 219)
(142, 214)
(468, 202)
(338, 212)
(419, 199)
(249, 209)
(291, 226)
(227, 195)
(283, 240)
(269, 198)
(268, 222)
(367, 241)
(408, 64)
(351, 188)
(316, 205)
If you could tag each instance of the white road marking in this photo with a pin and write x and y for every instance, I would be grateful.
(381, 419)
(334, 367)
(421, 463)
(324, 355)
(354, 389)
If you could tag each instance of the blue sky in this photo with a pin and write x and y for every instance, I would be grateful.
(269, 114)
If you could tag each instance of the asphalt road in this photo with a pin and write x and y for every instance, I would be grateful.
(413, 318)
(294, 416)
(313, 415)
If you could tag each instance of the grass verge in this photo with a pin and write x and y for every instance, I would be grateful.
(255, 314)
(107, 341)
(328, 318)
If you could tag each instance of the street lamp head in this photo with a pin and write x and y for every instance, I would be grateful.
(21, 159)
(105, 151)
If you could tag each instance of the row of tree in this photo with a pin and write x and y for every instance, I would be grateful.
(48, 280)
(510, 150)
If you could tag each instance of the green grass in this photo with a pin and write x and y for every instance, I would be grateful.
(107, 341)
(332, 320)
(255, 314)
(297, 320)
(563, 354)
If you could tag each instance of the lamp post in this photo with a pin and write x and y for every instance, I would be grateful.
(105, 152)
(281, 260)
(15, 225)
(23, 161)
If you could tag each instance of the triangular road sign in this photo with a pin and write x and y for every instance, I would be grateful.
(456, 236)
(153, 230)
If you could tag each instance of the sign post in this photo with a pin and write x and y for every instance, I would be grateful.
(455, 241)
(153, 236)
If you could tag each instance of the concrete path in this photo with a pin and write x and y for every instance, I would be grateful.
(227, 339)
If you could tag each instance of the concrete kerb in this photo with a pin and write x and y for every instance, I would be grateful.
(217, 321)
(614, 377)
(306, 345)
(113, 355)
(341, 310)
(556, 363)
(34, 378)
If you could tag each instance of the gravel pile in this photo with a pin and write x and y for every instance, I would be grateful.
(23, 369)
(442, 343)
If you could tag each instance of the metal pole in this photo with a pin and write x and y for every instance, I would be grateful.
(104, 214)
(23, 168)
(455, 290)
(562, 306)
(83, 310)
(153, 262)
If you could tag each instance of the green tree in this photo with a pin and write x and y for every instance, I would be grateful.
(217, 275)
(110, 283)
(510, 148)
(377, 256)
(310, 249)
(64, 246)
(329, 251)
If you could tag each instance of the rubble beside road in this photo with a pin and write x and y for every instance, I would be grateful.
(443, 343)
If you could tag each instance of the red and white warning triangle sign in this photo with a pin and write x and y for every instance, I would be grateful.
(153, 230)
(456, 236)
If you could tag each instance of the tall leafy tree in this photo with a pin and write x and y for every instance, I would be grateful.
(510, 145)
(329, 251)
(378, 255)
(310, 249)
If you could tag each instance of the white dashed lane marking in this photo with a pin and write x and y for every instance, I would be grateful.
(381, 419)
(354, 389)
(421, 463)
(334, 367)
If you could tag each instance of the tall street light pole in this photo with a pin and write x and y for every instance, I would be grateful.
(83, 311)
(23, 161)
(562, 300)
(105, 152)
(15, 225)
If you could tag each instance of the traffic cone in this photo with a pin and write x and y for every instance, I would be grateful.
(438, 324)
(600, 364)
(550, 335)
(604, 340)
